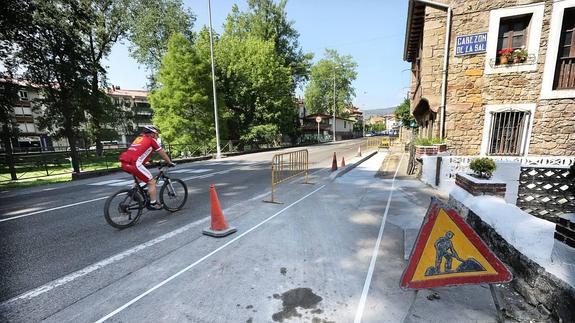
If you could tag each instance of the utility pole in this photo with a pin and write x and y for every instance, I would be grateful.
(334, 106)
(218, 151)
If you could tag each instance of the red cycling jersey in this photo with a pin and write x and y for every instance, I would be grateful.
(140, 150)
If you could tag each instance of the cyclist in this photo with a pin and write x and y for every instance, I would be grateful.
(134, 159)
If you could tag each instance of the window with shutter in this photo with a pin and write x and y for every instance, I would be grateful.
(512, 34)
(565, 68)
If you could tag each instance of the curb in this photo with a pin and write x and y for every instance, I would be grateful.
(348, 168)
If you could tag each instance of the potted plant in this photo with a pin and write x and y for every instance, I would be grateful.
(483, 167)
(424, 146)
(505, 55)
(480, 182)
(520, 55)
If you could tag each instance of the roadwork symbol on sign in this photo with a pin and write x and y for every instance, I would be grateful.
(448, 252)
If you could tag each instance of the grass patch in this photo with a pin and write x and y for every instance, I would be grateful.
(24, 183)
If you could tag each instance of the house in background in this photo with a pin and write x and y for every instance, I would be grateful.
(135, 101)
(509, 86)
(31, 138)
(344, 128)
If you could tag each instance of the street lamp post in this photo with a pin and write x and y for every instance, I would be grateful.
(318, 120)
(334, 106)
(218, 151)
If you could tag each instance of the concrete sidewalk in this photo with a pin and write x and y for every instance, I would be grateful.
(334, 252)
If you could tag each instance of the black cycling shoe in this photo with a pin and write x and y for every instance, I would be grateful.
(155, 206)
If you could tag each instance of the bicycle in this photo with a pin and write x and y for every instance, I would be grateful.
(124, 208)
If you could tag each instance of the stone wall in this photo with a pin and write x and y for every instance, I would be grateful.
(537, 286)
(469, 89)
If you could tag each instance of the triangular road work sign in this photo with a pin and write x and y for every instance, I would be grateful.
(448, 252)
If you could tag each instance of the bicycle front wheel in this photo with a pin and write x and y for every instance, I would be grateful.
(174, 194)
(123, 209)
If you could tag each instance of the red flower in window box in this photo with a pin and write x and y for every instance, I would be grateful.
(505, 55)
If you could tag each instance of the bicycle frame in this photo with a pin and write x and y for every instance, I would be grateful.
(143, 188)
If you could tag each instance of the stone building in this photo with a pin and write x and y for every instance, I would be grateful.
(509, 86)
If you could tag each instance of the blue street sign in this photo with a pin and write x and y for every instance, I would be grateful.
(470, 44)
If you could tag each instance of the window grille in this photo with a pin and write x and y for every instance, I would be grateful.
(507, 133)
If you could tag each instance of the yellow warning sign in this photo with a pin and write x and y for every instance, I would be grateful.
(448, 252)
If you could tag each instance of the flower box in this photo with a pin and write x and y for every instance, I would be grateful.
(441, 147)
(426, 151)
(479, 186)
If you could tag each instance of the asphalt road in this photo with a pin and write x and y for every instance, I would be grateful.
(49, 232)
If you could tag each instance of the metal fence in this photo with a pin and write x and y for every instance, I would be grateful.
(32, 163)
(288, 165)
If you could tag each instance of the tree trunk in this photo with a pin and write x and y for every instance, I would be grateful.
(96, 113)
(9, 153)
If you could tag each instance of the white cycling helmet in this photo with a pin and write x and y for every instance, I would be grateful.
(151, 129)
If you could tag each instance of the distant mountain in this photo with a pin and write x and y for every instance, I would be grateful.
(378, 112)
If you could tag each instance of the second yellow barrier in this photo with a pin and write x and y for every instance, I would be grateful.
(288, 165)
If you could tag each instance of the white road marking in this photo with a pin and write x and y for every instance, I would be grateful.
(361, 306)
(134, 300)
(191, 171)
(52, 209)
(123, 183)
(107, 182)
(83, 272)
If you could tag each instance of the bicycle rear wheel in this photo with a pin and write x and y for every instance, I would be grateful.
(174, 194)
(123, 209)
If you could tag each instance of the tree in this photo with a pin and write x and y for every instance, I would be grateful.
(107, 25)
(53, 52)
(182, 108)
(268, 21)
(152, 23)
(254, 85)
(9, 127)
(403, 113)
(15, 16)
(319, 94)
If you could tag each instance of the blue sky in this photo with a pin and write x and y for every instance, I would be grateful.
(371, 31)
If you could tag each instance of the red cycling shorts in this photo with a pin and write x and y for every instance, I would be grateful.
(137, 169)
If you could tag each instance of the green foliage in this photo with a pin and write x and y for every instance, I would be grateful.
(420, 141)
(268, 21)
(152, 23)
(182, 108)
(375, 127)
(53, 52)
(254, 85)
(262, 134)
(319, 94)
(483, 167)
(403, 114)
(107, 24)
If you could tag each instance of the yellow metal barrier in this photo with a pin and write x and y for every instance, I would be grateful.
(384, 142)
(286, 166)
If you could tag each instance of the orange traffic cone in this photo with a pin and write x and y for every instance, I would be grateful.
(219, 227)
(358, 151)
(342, 162)
(334, 163)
